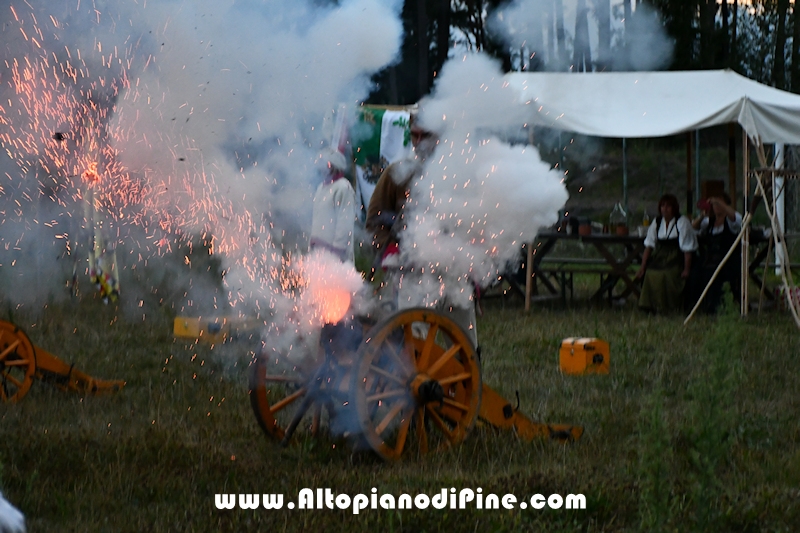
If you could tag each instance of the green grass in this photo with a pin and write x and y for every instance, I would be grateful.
(694, 429)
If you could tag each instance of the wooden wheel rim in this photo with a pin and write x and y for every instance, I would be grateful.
(17, 363)
(276, 396)
(272, 391)
(395, 364)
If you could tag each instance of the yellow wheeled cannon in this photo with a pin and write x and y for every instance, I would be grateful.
(410, 385)
(21, 362)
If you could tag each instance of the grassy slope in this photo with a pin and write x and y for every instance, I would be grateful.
(151, 457)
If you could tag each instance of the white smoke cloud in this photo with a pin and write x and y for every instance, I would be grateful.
(640, 43)
(480, 199)
(647, 45)
(219, 122)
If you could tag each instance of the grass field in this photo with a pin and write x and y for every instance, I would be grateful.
(696, 428)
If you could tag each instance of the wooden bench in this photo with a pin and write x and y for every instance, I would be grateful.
(562, 269)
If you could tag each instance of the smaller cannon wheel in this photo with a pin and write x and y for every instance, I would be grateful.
(17, 362)
(416, 385)
(277, 394)
(287, 398)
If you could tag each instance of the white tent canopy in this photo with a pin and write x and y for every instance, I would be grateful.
(657, 104)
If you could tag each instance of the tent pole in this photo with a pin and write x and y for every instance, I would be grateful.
(625, 173)
(778, 202)
(732, 162)
(696, 195)
(689, 192)
(745, 299)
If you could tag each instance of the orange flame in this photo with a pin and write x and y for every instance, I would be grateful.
(333, 304)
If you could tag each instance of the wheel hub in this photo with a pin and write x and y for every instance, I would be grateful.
(429, 390)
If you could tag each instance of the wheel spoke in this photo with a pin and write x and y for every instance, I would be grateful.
(393, 353)
(425, 355)
(17, 362)
(402, 434)
(446, 356)
(456, 378)
(286, 401)
(457, 405)
(393, 412)
(10, 349)
(12, 379)
(388, 375)
(394, 393)
(409, 344)
(451, 435)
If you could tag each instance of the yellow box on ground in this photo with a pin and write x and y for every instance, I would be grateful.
(213, 330)
(584, 355)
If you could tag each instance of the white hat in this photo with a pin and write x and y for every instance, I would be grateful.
(336, 159)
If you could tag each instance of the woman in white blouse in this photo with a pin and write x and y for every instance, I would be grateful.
(667, 260)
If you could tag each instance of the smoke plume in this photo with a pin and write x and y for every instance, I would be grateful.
(479, 199)
(206, 120)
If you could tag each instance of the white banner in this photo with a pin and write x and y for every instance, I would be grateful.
(395, 137)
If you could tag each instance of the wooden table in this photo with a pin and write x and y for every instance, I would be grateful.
(613, 267)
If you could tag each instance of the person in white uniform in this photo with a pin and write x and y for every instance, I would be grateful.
(334, 214)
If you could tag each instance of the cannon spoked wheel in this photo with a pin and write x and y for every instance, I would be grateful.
(287, 398)
(17, 362)
(416, 385)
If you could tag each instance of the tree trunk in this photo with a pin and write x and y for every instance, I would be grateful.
(560, 35)
(735, 34)
(442, 33)
(795, 68)
(550, 34)
(582, 54)
(725, 34)
(602, 10)
(626, 12)
(479, 29)
(423, 47)
(707, 12)
(779, 62)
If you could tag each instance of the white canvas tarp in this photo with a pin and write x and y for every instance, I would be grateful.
(657, 104)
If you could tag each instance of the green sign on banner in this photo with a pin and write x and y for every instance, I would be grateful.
(367, 136)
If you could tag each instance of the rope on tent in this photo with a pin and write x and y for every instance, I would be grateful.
(777, 235)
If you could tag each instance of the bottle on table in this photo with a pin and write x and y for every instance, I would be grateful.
(618, 221)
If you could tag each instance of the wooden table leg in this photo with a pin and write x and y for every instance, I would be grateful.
(619, 271)
(529, 277)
